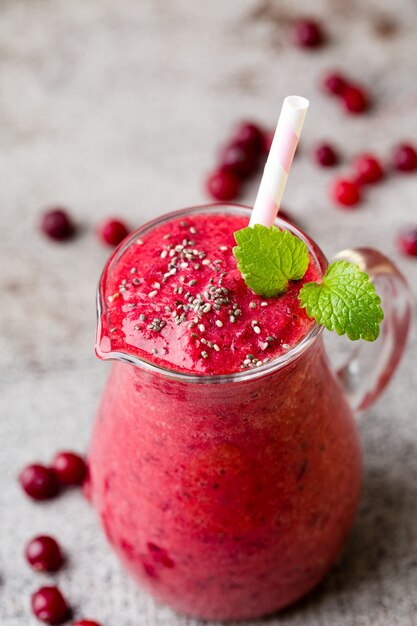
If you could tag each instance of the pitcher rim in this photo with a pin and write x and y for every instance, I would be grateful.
(275, 364)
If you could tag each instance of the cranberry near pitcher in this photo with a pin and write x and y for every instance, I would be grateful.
(225, 461)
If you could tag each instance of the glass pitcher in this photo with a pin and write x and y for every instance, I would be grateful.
(230, 496)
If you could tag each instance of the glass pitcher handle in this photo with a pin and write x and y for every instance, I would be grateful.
(369, 366)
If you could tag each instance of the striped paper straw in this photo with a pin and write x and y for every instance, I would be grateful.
(279, 160)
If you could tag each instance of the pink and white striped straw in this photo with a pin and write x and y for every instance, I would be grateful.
(279, 160)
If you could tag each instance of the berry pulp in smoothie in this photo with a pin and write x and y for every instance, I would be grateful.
(231, 500)
(176, 298)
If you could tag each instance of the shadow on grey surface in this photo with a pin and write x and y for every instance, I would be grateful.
(383, 543)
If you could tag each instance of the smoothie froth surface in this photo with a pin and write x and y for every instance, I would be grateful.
(175, 298)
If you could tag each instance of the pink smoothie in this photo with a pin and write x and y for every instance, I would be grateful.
(225, 499)
(177, 299)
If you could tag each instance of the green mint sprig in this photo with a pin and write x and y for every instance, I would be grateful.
(268, 258)
(344, 301)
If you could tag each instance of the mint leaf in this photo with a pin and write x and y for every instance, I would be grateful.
(345, 301)
(268, 258)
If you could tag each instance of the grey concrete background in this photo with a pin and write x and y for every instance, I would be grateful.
(118, 108)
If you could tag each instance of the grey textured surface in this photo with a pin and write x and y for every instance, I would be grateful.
(118, 108)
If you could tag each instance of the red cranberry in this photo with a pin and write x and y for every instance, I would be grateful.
(112, 232)
(223, 185)
(70, 468)
(326, 155)
(49, 605)
(86, 622)
(283, 214)
(39, 482)
(407, 242)
(345, 192)
(267, 140)
(249, 134)
(44, 554)
(354, 98)
(308, 34)
(368, 170)
(405, 158)
(334, 84)
(57, 224)
(242, 159)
